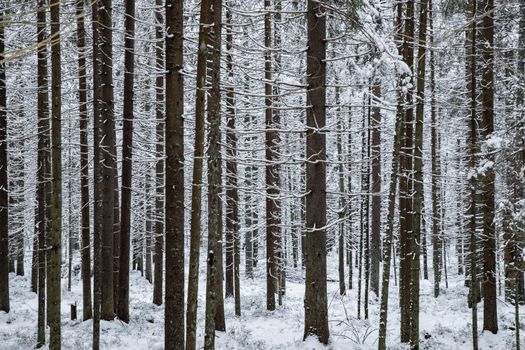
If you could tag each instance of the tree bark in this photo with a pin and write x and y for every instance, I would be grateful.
(490, 314)
(54, 241)
(84, 163)
(174, 143)
(232, 194)
(214, 284)
(4, 185)
(388, 244)
(375, 251)
(127, 161)
(405, 183)
(418, 195)
(472, 142)
(315, 300)
(159, 170)
(107, 142)
(97, 222)
(196, 194)
(43, 187)
(272, 169)
(342, 201)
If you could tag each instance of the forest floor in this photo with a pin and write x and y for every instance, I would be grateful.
(444, 322)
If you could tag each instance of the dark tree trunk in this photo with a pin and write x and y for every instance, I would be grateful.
(196, 194)
(54, 240)
(388, 244)
(4, 186)
(214, 284)
(97, 222)
(405, 183)
(107, 143)
(127, 161)
(375, 249)
(350, 239)
(315, 300)
(232, 194)
(490, 314)
(472, 143)
(148, 229)
(272, 169)
(174, 143)
(342, 200)
(84, 163)
(418, 196)
(43, 187)
(159, 171)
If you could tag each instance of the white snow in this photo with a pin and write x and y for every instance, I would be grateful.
(445, 321)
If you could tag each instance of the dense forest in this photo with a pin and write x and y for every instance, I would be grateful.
(262, 174)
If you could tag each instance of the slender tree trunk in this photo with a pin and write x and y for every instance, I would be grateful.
(196, 194)
(214, 285)
(232, 194)
(174, 311)
(54, 240)
(127, 161)
(388, 244)
(350, 239)
(342, 202)
(424, 240)
(376, 186)
(43, 187)
(315, 300)
(84, 163)
(405, 184)
(418, 195)
(436, 234)
(4, 185)
(159, 198)
(490, 314)
(473, 182)
(272, 169)
(107, 142)
(97, 222)
(366, 202)
(148, 232)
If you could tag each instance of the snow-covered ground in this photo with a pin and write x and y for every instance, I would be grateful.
(445, 321)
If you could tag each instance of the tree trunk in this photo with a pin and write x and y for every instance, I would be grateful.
(365, 189)
(473, 181)
(436, 234)
(315, 300)
(214, 284)
(342, 202)
(490, 314)
(148, 232)
(127, 161)
(350, 239)
(97, 222)
(196, 195)
(159, 198)
(418, 195)
(232, 194)
(4, 186)
(388, 244)
(376, 186)
(174, 311)
(84, 163)
(405, 184)
(54, 240)
(107, 142)
(272, 169)
(43, 186)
